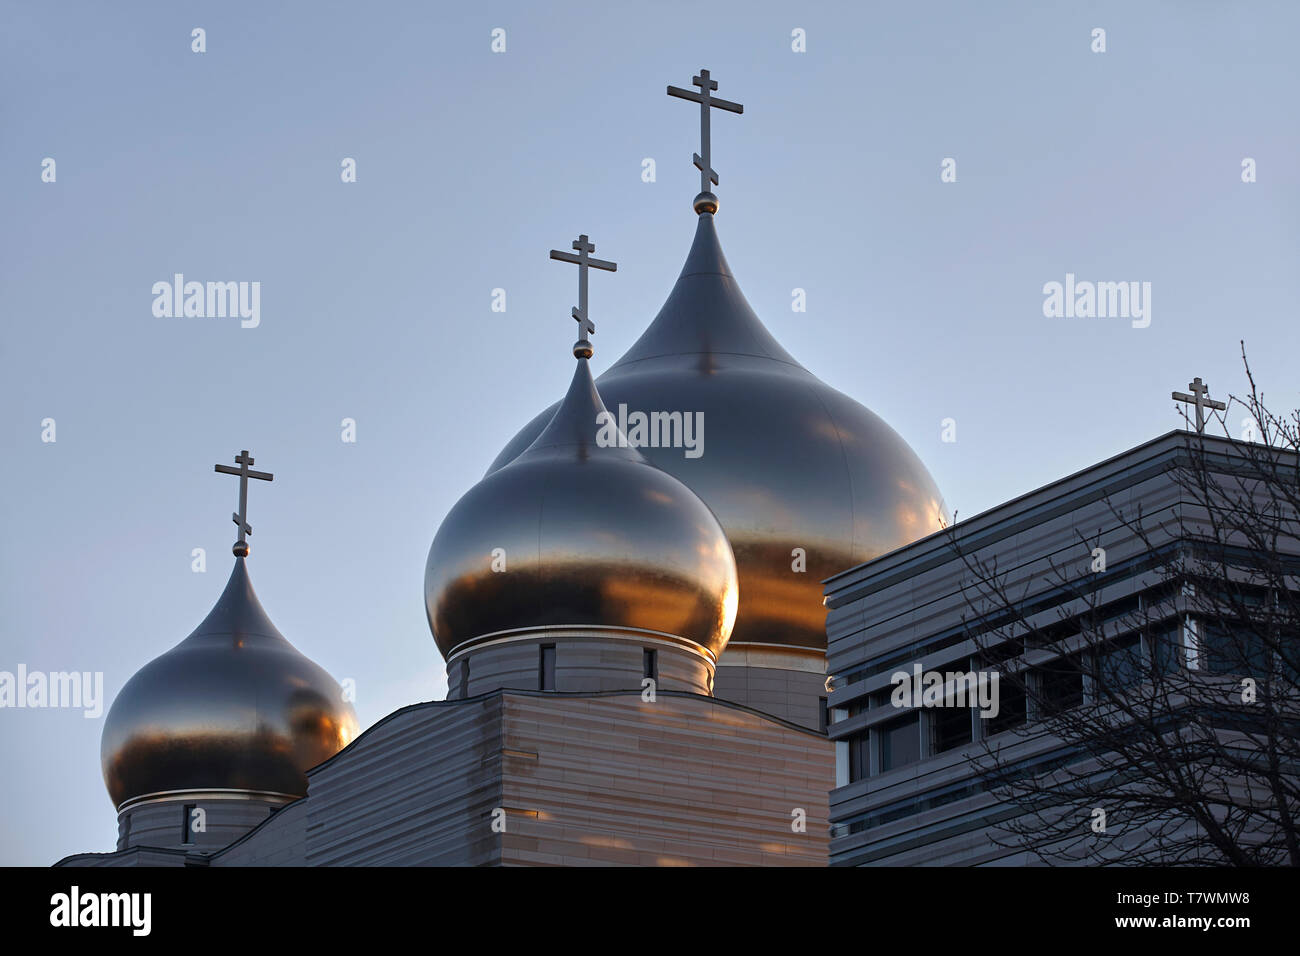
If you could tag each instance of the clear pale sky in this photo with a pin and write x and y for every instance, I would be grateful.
(924, 299)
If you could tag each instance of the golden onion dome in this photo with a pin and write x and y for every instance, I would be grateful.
(578, 531)
(790, 466)
(234, 706)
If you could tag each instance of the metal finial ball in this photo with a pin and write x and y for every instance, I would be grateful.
(706, 202)
(582, 350)
(240, 549)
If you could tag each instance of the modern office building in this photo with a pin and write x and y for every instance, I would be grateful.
(1086, 556)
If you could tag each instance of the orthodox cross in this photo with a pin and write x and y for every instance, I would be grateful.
(243, 459)
(1201, 397)
(583, 260)
(704, 162)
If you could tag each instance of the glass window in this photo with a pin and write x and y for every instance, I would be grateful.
(1166, 647)
(859, 756)
(546, 677)
(1119, 664)
(1011, 707)
(1234, 650)
(1060, 685)
(990, 654)
(950, 727)
(900, 742)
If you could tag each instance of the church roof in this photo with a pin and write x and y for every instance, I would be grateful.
(234, 706)
(580, 530)
(706, 313)
(805, 481)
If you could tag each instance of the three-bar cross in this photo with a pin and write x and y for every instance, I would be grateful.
(583, 260)
(706, 100)
(243, 459)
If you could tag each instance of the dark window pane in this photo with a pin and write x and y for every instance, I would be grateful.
(1011, 708)
(900, 742)
(546, 680)
(989, 654)
(1229, 650)
(951, 727)
(1119, 664)
(859, 757)
(1060, 685)
(1287, 655)
(1166, 643)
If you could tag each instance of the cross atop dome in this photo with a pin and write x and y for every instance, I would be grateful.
(243, 459)
(705, 201)
(582, 347)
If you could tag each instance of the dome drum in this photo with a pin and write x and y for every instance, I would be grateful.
(579, 660)
(789, 682)
(170, 819)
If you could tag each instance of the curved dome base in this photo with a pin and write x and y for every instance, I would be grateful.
(170, 821)
(583, 660)
(786, 682)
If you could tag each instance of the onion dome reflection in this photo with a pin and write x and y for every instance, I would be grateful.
(788, 462)
(233, 707)
(579, 530)
(806, 481)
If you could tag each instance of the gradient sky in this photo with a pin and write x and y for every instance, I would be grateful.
(924, 298)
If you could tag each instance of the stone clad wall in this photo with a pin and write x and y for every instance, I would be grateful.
(566, 779)
(416, 789)
(280, 841)
(793, 695)
(682, 781)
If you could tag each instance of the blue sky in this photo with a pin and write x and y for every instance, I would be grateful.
(924, 299)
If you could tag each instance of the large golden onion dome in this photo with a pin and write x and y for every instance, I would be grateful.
(788, 462)
(580, 532)
(234, 706)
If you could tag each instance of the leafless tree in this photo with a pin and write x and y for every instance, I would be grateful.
(1173, 708)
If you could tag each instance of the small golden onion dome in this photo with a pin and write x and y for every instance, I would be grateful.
(234, 706)
(806, 481)
(580, 531)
